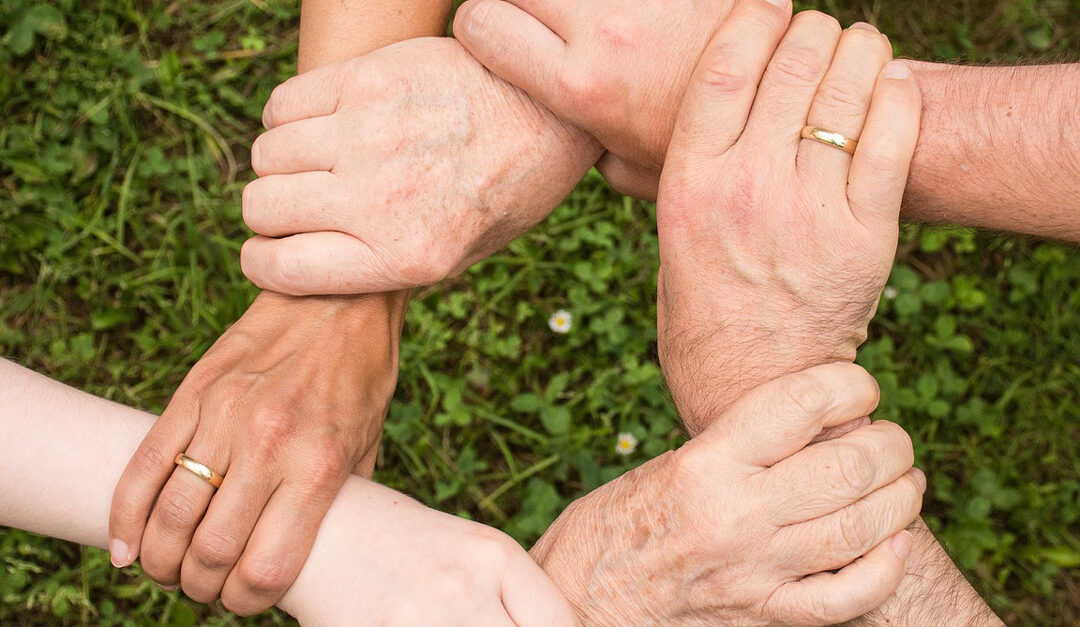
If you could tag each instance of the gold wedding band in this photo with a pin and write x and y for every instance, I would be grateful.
(830, 138)
(199, 470)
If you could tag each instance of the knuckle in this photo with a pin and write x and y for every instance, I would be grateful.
(851, 535)
(149, 459)
(272, 426)
(844, 96)
(217, 550)
(819, 20)
(176, 510)
(329, 466)
(898, 441)
(799, 66)
(272, 109)
(252, 204)
(282, 266)
(264, 577)
(617, 31)
(804, 393)
(258, 155)
(854, 468)
(579, 88)
(478, 15)
(126, 513)
(724, 74)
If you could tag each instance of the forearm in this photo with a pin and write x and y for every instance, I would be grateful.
(336, 30)
(999, 149)
(63, 451)
(932, 592)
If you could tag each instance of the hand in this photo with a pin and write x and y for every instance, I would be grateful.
(285, 405)
(399, 169)
(615, 68)
(425, 568)
(774, 250)
(742, 525)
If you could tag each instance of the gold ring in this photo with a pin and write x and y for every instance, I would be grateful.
(199, 470)
(830, 138)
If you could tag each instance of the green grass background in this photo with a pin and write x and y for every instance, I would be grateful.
(124, 129)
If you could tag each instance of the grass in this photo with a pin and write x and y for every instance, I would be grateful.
(123, 142)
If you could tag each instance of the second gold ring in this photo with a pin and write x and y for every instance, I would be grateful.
(830, 138)
(199, 470)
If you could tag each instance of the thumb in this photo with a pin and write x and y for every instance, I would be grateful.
(323, 262)
(777, 419)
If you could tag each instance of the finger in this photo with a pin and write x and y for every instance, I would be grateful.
(722, 89)
(841, 471)
(311, 94)
(317, 263)
(843, 100)
(629, 179)
(779, 418)
(863, 585)
(150, 467)
(879, 170)
(837, 539)
(286, 204)
(556, 17)
(790, 83)
(532, 599)
(301, 146)
(178, 511)
(516, 47)
(223, 533)
(278, 546)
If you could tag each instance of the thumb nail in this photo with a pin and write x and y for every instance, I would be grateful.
(120, 553)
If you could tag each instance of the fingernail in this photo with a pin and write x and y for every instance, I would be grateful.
(864, 26)
(897, 70)
(919, 477)
(169, 588)
(778, 3)
(120, 553)
(901, 544)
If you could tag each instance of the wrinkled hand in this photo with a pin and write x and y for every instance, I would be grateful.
(774, 250)
(285, 405)
(615, 68)
(399, 169)
(423, 568)
(742, 525)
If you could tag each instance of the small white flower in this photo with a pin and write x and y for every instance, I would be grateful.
(625, 443)
(561, 321)
(891, 292)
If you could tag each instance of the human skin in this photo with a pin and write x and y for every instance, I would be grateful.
(777, 512)
(731, 135)
(286, 404)
(774, 251)
(999, 148)
(372, 162)
(427, 567)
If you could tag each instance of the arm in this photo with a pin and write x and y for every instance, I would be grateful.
(245, 412)
(1000, 147)
(77, 445)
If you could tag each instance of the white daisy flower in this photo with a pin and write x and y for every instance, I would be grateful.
(561, 321)
(890, 292)
(625, 443)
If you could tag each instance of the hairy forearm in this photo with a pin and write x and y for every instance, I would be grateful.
(932, 593)
(999, 149)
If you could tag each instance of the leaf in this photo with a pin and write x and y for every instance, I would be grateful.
(555, 419)
(527, 403)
